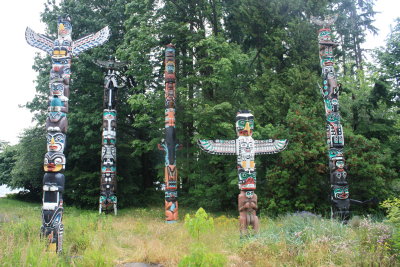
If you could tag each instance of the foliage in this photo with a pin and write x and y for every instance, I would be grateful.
(257, 55)
(198, 257)
(199, 224)
(393, 207)
(7, 163)
(27, 171)
(141, 235)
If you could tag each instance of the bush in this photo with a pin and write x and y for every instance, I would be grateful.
(393, 208)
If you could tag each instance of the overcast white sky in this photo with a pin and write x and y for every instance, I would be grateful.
(17, 77)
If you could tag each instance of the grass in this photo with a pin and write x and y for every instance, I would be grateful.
(140, 235)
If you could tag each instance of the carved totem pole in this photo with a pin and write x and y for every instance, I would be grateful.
(108, 182)
(245, 148)
(170, 145)
(61, 51)
(330, 93)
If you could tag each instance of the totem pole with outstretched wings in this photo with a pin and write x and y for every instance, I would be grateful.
(61, 51)
(245, 148)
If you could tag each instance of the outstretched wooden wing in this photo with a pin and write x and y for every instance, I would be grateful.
(329, 20)
(269, 146)
(90, 41)
(220, 147)
(39, 41)
(110, 64)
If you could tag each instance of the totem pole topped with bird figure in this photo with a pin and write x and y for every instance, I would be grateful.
(61, 51)
(108, 183)
(245, 148)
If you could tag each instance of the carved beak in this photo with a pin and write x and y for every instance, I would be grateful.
(246, 129)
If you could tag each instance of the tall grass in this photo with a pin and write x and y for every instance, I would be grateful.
(140, 235)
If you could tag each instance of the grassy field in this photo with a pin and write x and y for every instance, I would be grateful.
(140, 235)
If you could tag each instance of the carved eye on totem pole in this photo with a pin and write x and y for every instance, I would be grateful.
(61, 61)
(249, 194)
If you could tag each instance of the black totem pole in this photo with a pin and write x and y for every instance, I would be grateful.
(170, 144)
(108, 182)
(335, 139)
(61, 51)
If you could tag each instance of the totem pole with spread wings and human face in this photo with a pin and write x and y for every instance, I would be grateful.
(335, 139)
(108, 183)
(170, 144)
(61, 51)
(245, 148)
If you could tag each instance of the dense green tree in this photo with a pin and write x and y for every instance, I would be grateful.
(231, 55)
(27, 171)
(7, 162)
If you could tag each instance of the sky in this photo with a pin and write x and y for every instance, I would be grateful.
(17, 76)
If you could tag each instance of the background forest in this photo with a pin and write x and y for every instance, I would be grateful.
(260, 55)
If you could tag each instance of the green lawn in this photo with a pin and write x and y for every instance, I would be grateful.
(140, 235)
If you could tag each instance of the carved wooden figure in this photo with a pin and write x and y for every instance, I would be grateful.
(245, 148)
(108, 182)
(61, 51)
(334, 130)
(170, 144)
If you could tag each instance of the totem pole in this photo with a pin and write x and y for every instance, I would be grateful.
(61, 51)
(108, 181)
(335, 140)
(245, 148)
(170, 145)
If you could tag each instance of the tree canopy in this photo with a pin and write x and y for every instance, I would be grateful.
(231, 55)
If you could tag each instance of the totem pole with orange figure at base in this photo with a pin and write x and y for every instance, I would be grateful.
(170, 145)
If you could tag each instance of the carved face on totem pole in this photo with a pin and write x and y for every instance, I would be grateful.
(56, 118)
(54, 162)
(58, 103)
(55, 141)
(170, 95)
(59, 89)
(325, 35)
(244, 123)
(64, 27)
(335, 135)
(60, 73)
(108, 155)
(109, 124)
(170, 64)
(340, 191)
